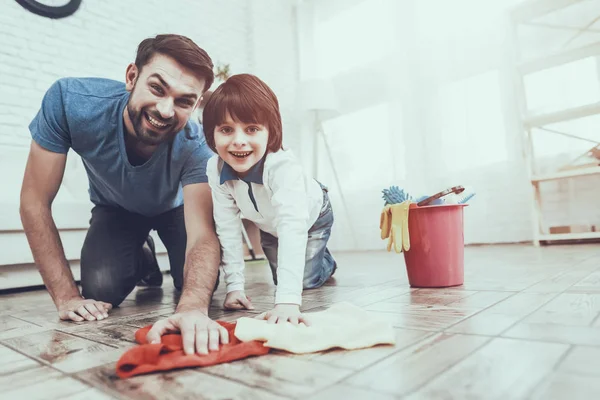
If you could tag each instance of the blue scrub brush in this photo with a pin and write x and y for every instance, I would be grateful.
(395, 195)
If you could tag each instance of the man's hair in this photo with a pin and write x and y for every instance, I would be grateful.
(247, 99)
(180, 48)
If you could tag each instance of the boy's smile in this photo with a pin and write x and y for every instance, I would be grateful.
(238, 154)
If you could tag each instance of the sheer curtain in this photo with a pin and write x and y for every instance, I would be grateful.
(351, 46)
(368, 157)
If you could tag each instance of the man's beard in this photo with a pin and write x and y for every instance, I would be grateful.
(149, 136)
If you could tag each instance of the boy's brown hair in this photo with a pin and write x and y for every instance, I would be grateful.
(180, 48)
(247, 99)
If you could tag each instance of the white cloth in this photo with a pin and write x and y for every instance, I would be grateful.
(289, 203)
(343, 325)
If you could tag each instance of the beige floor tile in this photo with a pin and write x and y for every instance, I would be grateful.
(406, 370)
(561, 386)
(280, 375)
(14, 327)
(572, 309)
(582, 360)
(579, 335)
(64, 352)
(116, 335)
(175, 385)
(347, 392)
(52, 388)
(496, 319)
(502, 369)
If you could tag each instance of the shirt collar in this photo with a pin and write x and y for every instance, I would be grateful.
(255, 174)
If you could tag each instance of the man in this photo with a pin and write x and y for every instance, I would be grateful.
(146, 167)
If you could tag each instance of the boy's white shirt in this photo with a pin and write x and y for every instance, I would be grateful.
(289, 203)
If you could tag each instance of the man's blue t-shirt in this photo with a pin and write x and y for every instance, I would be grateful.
(86, 114)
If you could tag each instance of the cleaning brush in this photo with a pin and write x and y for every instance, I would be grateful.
(395, 195)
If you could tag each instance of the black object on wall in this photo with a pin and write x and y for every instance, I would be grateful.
(49, 8)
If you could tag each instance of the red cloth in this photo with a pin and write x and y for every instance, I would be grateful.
(169, 354)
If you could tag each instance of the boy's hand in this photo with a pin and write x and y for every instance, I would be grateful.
(283, 313)
(237, 300)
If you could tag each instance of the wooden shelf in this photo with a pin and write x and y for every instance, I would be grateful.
(532, 12)
(532, 9)
(568, 114)
(570, 236)
(566, 174)
(559, 58)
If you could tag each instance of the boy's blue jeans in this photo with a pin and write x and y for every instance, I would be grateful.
(320, 264)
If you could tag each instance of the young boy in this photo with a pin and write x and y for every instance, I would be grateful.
(252, 175)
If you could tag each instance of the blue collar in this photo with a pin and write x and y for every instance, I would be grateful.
(255, 175)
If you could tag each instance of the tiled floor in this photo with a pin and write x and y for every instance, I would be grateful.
(526, 325)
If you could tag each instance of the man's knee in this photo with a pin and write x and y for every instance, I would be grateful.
(101, 289)
(99, 282)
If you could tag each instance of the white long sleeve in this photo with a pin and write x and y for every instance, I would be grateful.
(229, 230)
(291, 219)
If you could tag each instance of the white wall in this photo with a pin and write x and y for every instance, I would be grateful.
(100, 39)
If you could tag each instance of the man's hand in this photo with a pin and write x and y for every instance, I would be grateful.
(283, 313)
(79, 309)
(198, 332)
(237, 300)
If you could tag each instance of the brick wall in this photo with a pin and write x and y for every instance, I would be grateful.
(100, 39)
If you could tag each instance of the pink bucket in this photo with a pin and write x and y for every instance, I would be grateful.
(437, 248)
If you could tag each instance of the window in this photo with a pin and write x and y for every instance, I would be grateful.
(471, 122)
(566, 86)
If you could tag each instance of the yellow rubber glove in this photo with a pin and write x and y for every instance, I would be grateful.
(394, 224)
(385, 222)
